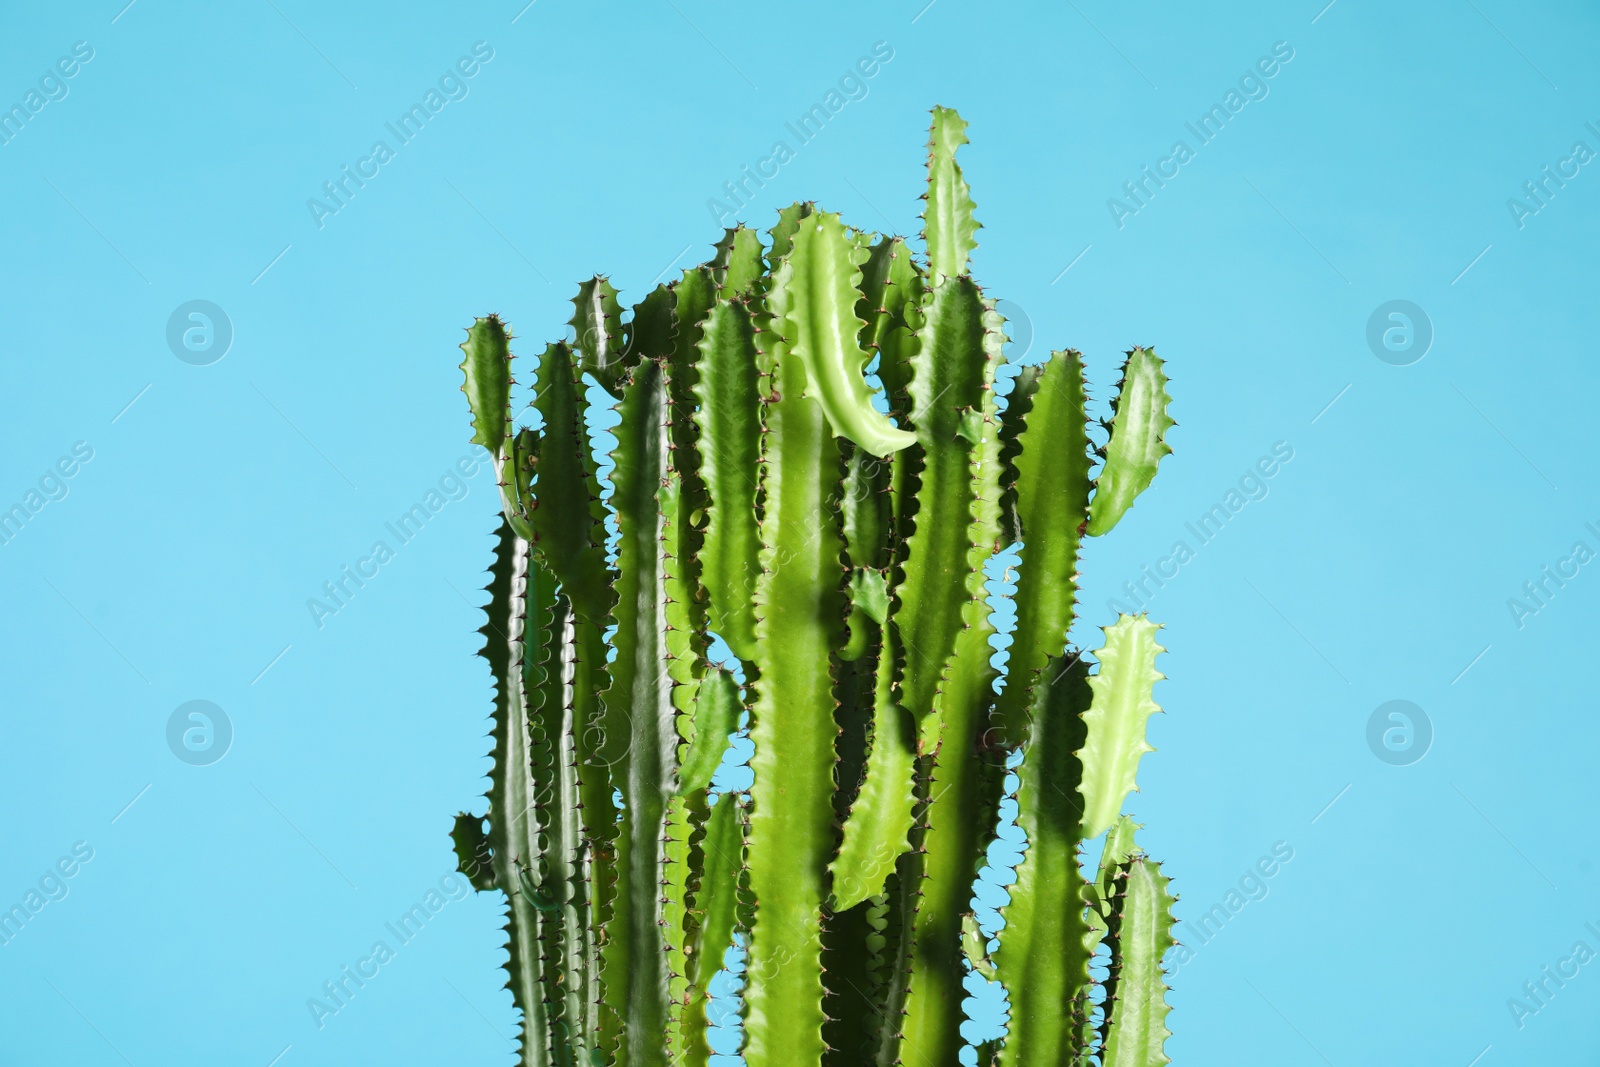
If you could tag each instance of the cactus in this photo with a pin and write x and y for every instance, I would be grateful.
(812, 469)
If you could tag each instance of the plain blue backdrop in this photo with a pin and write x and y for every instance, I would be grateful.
(1374, 165)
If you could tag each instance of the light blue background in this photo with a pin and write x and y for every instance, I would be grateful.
(1379, 566)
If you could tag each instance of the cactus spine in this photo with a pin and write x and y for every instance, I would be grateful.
(813, 466)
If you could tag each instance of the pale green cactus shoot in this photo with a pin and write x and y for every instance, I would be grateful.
(813, 466)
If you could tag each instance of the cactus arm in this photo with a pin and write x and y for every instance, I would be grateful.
(1139, 426)
(716, 716)
(716, 901)
(486, 373)
(486, 367)
(1019, 402)
(728, 418)
(1123, 703)
(965, 787)
(799, 630)
(1045, 944)
(641, 683)
(826, 261)
(948, 226)
(737, 266)
(1052, 489)
(569, 522)
(876, 831)
(516, 584)
(782, 234)
(598, 334)
(947, 389)
(891, 289)
(1118, 847)
(1141, 933)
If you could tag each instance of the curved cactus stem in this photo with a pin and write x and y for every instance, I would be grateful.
(1046, 943)
(1019, 403)
(1115, 722)
(876, 831)
(716, 716)
(598, 334)
(824, 290)
(1118, 847)
(1139, 427)
(948, 226)
(1052, 498)
(965, 790)
(1135, 1024)
(728, 418)
(799, 631)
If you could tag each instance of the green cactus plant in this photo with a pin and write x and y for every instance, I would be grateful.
(812, 469)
